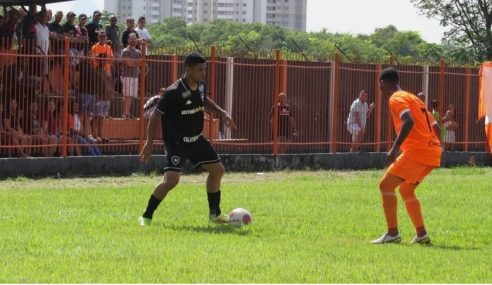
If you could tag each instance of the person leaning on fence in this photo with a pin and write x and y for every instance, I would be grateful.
(129, 74)
(356, 121)
(286, 120)
(449, 125)
(181, 112)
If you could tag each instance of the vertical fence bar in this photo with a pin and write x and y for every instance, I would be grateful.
(379, 107)
(425, 84)
(211, 86)
(284, 72)
(335, 94)
(142, 98)
(229, 89)
(276, 89)
(467, 108)
(174, 68)
(66, 81)
(442, 86)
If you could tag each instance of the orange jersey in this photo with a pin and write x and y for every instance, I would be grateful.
(421, 144)
(102, 52)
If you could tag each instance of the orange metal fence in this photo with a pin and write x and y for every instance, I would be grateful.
(46, 109)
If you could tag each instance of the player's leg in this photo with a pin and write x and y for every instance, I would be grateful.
(387, 186)
(202, 154)
(412, 203)
(172, 174)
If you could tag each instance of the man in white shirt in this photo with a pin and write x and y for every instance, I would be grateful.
(43, 38)
(356, 122)
(143, 33)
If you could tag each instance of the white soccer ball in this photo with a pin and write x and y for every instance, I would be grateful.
(239, 217)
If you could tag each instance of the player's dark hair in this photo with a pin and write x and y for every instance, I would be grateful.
(390, 75)
(193, 59)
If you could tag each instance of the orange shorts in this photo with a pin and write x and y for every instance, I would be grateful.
(409, 170)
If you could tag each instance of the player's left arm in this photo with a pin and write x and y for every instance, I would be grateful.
(212, 106)
(406, 127)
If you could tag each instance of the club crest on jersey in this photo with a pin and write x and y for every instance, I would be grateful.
(186, 94)
(188, 102)
(175, 160)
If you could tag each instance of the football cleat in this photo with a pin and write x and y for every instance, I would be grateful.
(386, 238)
(220, 219)
(425, 240)
(144, 221)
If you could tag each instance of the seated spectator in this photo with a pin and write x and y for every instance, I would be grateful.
(8, 138)
(76, 132)
(52, 124)
(35, 128)
(12, 124)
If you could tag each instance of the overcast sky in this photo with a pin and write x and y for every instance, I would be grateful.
(343, 16)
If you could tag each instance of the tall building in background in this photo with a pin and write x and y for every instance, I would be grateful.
(289, 14)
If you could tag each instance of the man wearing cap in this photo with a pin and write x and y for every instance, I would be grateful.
(69, 26)
(93, 27)
(55, 28)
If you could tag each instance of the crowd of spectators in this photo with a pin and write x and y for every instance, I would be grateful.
(103, 63)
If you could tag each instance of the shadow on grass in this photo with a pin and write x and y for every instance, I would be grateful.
(444, 247)
(210, 229)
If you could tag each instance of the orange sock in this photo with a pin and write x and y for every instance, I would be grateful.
(390, 209)
(412, 204)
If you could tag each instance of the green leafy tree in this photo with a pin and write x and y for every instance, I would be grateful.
(470, 23)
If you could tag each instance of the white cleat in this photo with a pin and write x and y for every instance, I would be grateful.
(386, 238)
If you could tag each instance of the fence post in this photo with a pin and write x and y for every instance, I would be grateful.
(467, 107)
(211, 86)
(142, 97)
(229, 88)
(173, 74)
(276, 91)
(334, 98)
(442, 86)
(66, 81)
(379, 107)
(283, 76)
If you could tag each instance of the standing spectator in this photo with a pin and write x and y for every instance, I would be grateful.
(437, 116)
(43, 44)
(11, 20)
(113, 34)
(55, 27)
(130, 73)
(356, 122)
(103, 54)
(449, 125)
(82, 35)
(130, 28)
(286, 121)
(69, 26)
(143, 33)
(93, 27)
(86, 95)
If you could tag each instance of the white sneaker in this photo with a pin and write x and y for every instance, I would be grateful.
(386, 238)
(425, 240)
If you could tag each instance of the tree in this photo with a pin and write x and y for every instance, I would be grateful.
(470, 23)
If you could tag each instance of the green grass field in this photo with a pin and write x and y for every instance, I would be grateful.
(309, 227)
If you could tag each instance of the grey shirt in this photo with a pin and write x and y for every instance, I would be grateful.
(129, 71)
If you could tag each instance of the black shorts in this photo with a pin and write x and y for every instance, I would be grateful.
(199, 153)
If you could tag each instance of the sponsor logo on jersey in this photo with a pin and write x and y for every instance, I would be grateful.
(192, 111)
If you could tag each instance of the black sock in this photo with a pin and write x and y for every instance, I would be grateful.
(214, 203)
(151, 207)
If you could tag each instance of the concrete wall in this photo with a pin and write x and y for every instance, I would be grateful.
(126, 165)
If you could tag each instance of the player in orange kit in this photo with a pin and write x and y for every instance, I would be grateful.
(418, 139)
